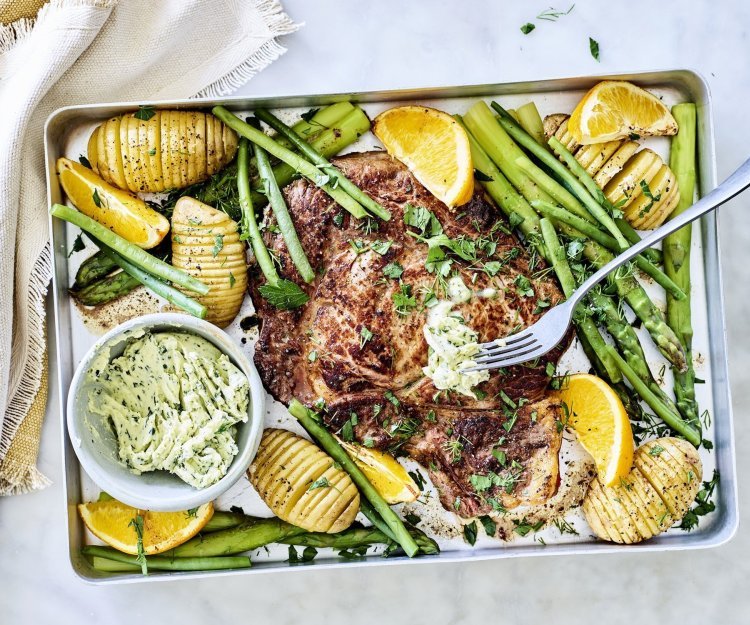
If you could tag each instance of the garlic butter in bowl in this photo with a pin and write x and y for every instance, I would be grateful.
(165, 412)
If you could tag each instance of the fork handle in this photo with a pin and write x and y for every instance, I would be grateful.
(734, 185)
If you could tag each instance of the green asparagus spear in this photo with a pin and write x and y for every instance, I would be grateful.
(169, 293)
(132, 253)
(323, 119)
(324, 165)
(307, 169)
(583, 322)
(677, 255)
(222, 520)
(513, 205)
(566, 199)
(164, 563)
(529, 119)
(283, 218)
(250, 535)
(654, 255)
(105, 289)
(672, 419)
(250, 229)
(504, 152)
(359, 537)
(94, 268)
(328, 442)
(558, 214)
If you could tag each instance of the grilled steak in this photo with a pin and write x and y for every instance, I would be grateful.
(358, 344)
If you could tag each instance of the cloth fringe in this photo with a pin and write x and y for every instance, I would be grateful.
(279, 23)
(28, 480)
(31, 379)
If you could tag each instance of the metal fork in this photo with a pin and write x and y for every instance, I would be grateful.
(545, 334)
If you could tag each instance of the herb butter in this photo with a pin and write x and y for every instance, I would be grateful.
(173, 399)
(453, 344)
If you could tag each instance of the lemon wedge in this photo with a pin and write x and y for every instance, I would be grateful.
(114, 522)
(615, 109)
(433, 146)
(601, 424)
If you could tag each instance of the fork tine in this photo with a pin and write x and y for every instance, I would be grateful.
(512, 359)
(508, 341)
(506, 352)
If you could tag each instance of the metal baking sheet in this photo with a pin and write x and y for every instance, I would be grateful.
(66, 132)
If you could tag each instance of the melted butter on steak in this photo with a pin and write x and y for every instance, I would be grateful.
(318, 351)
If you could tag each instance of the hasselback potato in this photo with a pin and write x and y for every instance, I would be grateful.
(154, 151)
(206, 244)
(301, 484)
(639, 183)
(663, 482)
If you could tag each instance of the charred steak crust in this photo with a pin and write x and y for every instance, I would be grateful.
(321, 351)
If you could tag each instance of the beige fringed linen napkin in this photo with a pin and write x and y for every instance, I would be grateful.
(75, 52)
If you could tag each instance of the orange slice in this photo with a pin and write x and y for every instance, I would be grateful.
(601, 424)
(114, 523)
(433, 146)
(616, 110)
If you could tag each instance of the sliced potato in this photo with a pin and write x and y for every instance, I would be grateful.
(205, 244)
(657, 493)
(301, 483)
(169, 150)
(615, 163)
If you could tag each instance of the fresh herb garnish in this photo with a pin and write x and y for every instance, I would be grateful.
(412, 518)
(652, 198)
(418, 479)
(232, 280)
(364, 336)
(523, 286)
(96, 198)
(527, 28)
(403, 300)
(285, 294)
(490, 527)
(218, 245)
(656, 451)
(137, 524)
(594, 48)
(393, 270)
(78, 245)
(564, 527)
(381, 247)
(308, 115)
(470, 532)
(84, 161)
(321, 482)
(192, 513)
(552, 15)
(703, 504)
(144, 113)
(523, 527)
(481, 176)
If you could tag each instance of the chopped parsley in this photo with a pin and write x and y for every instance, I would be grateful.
(523, 286)
(96, 198)
(285, 294)
(403, 300)
(527, 28)
(218, 245)
(144, 113)
(78, 245)
(365, 335)
(393, 270)
(84, 161)
(470, 532)
(321, 482)
(594, 48)
(490, 527)
(656, 451)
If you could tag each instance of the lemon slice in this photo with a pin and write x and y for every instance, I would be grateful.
(385, 473)
(433, 146)
(615, 110)
(113, 522)
(120, 211)
(601, 424)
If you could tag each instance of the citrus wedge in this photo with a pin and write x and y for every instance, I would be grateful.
(120, 211)
(385, 473)
(114, 523)
(601, 424)
(616, 109)
(433, 146)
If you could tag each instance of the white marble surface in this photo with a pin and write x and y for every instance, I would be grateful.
(358, 45)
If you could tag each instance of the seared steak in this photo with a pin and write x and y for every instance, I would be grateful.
(357, 346)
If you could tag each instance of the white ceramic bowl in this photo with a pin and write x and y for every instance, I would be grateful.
(97, 449)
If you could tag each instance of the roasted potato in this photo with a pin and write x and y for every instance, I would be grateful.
(206, 244)
(619, 169)
(163, 151)
(663, 482)
(301, 484)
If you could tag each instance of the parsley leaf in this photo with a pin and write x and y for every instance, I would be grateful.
(594, 48)
(527, 28)
(321, 482)
(364, 335)
(393, 270)
(78, 245)
(285, 294)
(308, 115)
(96, 198)
(218, 245)
(403, 300)
(144, 113)
(490, 527)
(84, 161)
(232, 280)
(137, 524)
(470, 532)
(381, 247)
